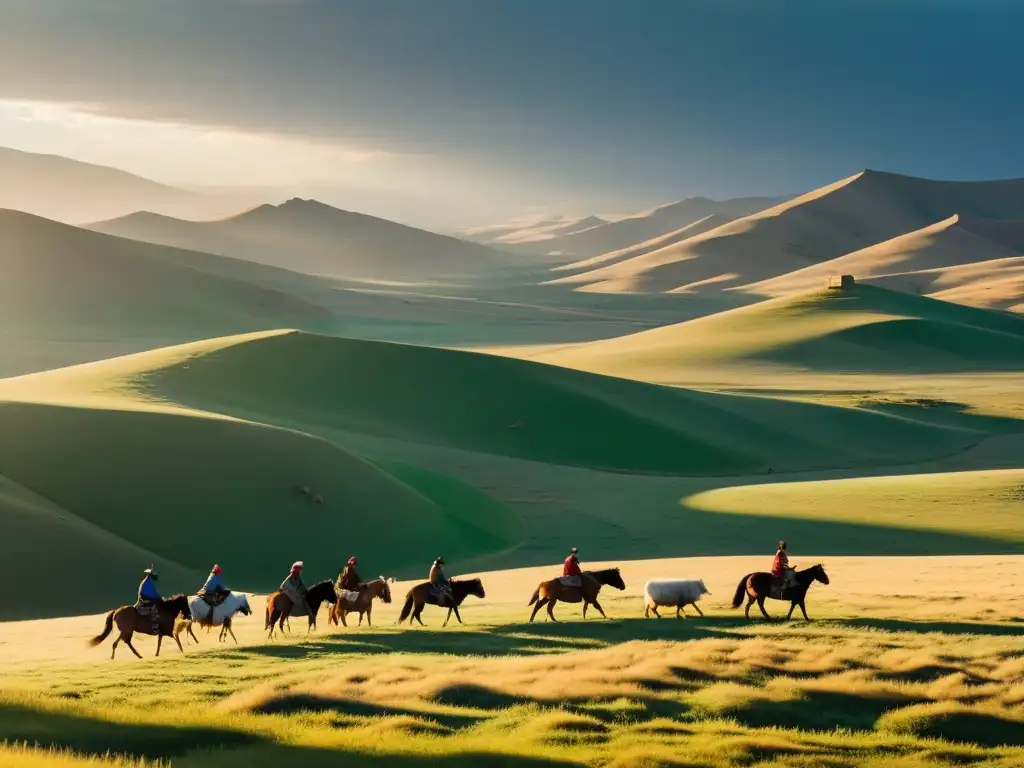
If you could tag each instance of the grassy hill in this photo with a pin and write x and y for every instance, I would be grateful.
(866, 328)
(851, 214)
(311, 237)
(54, 277)
(969, 256)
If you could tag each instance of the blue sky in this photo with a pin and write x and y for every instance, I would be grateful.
(597, 104)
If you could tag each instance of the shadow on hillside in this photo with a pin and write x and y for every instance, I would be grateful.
(572, 634)
(213, 747)
(925, 627)
(821, 710)
(90, 735)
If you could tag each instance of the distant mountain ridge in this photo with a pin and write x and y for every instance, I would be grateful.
(315, 238)
(852, 214)
(74, 192)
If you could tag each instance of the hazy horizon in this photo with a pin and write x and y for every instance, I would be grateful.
(487, 112)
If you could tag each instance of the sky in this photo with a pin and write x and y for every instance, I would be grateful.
(470, 110)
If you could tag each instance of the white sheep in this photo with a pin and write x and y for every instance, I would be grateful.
(677, 592)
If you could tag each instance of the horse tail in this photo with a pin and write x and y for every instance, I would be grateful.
(536, 596)
(406, 609)
(266, 623)
(106, 631)
(741, 590)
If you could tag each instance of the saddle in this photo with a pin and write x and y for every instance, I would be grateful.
(213, 599)
(441, 595)
(348, 597)
(571, 581)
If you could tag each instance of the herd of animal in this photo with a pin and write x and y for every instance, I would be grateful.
(178, 614)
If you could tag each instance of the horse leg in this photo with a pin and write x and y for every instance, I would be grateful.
(697, 609)
(789, 615)
(159, 640)
(416, 614)
(537, 606)
(114, 649)
(585, 604)
(803, 610)
(342, 614)
(750, 602)
(551, 609)
(193, 634)
(457, 614)
(128, 641)
(360, 619)
(180, 649)
(599, 608)
(446, 618)
(369, 610)
(760, 604)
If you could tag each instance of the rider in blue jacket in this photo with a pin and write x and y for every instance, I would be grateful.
(149, 597)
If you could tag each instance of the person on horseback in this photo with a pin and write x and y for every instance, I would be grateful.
(293, 587)
(781, 569)
(149, 598)
(572, 575)
(441, 583)
(348, 579)
(213, 591)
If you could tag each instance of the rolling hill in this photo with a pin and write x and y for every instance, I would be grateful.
(850, 215)
(865, 328)
(642, 227)
(59, 278)
(956, 253)
(308, 236)
(531, 231)
(74, 192)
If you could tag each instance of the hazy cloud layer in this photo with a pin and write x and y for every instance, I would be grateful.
(654, 100)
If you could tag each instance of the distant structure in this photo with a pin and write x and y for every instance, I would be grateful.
(839, 282)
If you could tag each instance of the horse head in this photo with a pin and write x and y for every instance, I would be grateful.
(611, 578)
(474, 587)
(819, 573)
(385, 591)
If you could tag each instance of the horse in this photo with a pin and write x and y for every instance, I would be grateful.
(758, 586)
(129, 621)
(424, 593)
(550, 592)
(221, 614)
(363, 602)
(279, 605)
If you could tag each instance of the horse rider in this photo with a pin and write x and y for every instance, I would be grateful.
(441, 583)
(781, 569)
(295, 589)
(348, 579)
(213, 591)
(149, 598)
(572, 574)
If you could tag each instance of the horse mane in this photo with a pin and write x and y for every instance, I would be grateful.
(465, 581)
(172, 598)
(604, 570)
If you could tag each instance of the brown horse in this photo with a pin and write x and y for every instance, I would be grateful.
(422, 594)
(279, 605)
(758, 587)
(550, 592)
(363, 603)
(129, 621)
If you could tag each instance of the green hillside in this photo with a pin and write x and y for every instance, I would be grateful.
(525, 410)
(862, 329)
(193, 490)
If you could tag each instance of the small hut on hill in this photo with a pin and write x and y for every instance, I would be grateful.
(840, 282)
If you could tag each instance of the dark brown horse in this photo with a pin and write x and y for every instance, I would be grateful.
(129, 621)
(279, 605)
(363, 603)
(550, 592)
(423, 594)
(758, 587)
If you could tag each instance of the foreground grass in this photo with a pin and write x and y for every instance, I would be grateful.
(710, 692)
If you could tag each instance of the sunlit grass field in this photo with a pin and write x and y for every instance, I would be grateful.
(930, 675)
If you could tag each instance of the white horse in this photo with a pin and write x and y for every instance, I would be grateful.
(234, 603)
